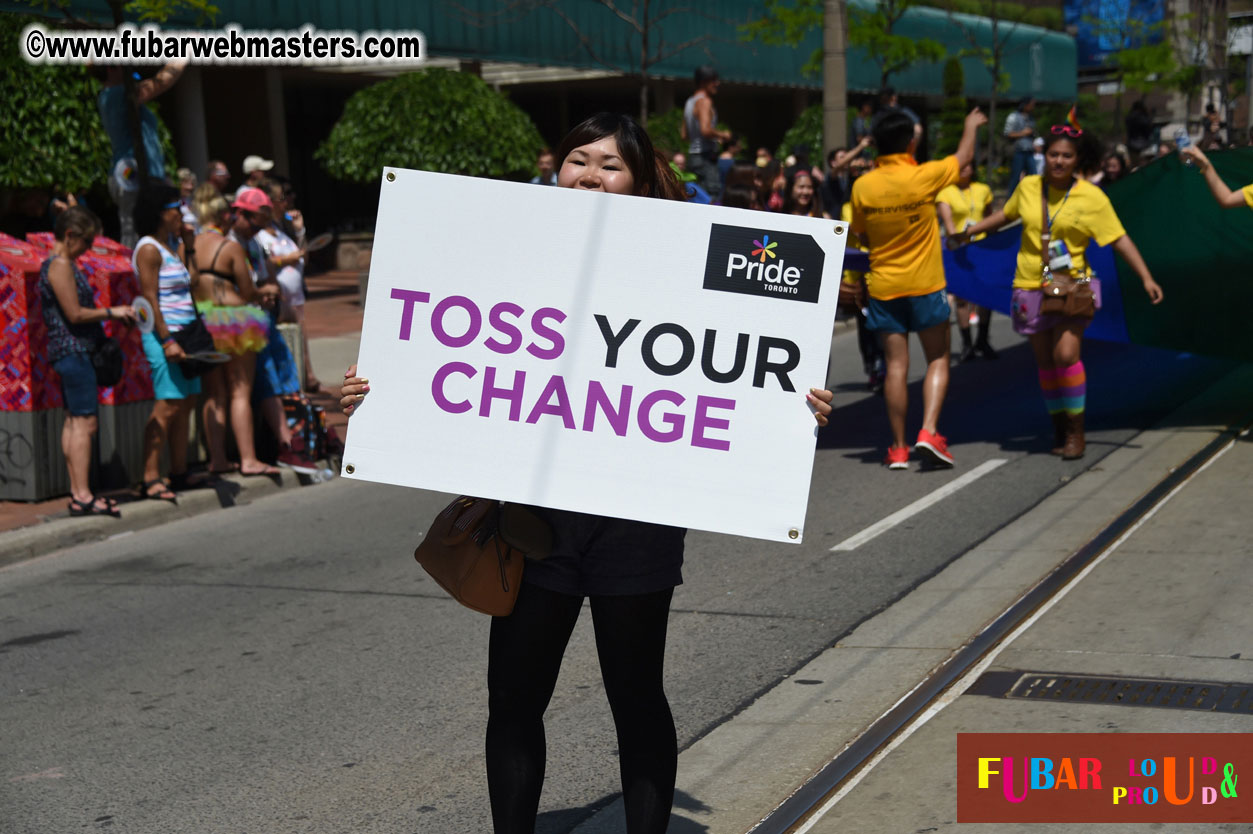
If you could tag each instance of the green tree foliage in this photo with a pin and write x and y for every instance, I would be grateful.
(806, 130)
(49, 125)
(953, 113)
(433, 120)
(663, 129)
(788, 22)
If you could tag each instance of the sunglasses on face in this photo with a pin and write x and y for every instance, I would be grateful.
(1066, 130)
(172, 204)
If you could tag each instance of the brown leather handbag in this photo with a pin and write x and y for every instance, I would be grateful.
(1064, 294)
(476, 550)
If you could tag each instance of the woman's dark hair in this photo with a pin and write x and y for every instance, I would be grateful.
(789, 202)
(769, 173)
(150, 205)
(704, 75)
(893, 131)
(741, 196)
(650, 171)
(1087, 149)
(1122, 163)
(743, 174)
(80, 220)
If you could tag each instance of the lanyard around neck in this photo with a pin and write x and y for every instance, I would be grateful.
(1048, 227)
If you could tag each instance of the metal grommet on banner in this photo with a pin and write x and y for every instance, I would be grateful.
(391, 177)
(793, 533)
(350, 469)
(839, 230)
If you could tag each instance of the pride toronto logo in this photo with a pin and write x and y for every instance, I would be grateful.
(757, 262)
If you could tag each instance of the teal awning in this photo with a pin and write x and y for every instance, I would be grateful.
(1039, 62)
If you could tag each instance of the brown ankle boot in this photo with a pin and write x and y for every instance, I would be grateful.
(1075, 444)
(1060, 424)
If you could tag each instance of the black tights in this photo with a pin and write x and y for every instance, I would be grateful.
(524, 657)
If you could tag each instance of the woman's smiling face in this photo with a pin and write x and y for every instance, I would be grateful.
(597, 166)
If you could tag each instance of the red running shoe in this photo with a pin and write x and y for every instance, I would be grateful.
(933, 448)
(898, 458)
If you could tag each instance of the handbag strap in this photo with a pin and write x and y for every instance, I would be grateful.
(1046, 235)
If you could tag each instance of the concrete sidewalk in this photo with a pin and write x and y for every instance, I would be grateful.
(1170, 602)
(333, 323)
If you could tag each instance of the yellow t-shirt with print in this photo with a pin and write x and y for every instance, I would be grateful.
(1248, 194)
(968, 204)
(894, 206)
(851, 277)
(1081, 215)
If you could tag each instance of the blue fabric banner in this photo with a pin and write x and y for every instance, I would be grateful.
(983, 272)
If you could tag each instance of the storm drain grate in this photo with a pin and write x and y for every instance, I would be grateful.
(1128, 692)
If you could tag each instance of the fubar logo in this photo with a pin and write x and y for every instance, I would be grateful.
(756, 262)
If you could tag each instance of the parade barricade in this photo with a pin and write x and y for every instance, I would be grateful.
(32, 465)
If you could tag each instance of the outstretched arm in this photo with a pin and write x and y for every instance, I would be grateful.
(988, 224)
(1224, 195)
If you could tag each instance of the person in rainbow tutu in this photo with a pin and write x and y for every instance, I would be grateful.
(226, 298)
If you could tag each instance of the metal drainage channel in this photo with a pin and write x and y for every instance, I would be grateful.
(807, 798)
(1203, 696)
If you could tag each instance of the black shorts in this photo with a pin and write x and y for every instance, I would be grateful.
(598, 556)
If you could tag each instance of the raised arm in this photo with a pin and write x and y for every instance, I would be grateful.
(1224, 195)
(970, 134)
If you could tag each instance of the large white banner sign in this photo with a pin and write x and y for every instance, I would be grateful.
(623, 356)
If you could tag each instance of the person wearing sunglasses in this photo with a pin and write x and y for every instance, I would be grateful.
(1072, 212)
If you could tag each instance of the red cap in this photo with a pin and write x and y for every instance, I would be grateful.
(252, 199)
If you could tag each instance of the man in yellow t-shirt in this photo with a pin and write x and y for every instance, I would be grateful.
(960, 206)
(1222, 193)
(893, 212)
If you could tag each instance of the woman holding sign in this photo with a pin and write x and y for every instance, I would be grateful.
(628, 569)
(1061, 214)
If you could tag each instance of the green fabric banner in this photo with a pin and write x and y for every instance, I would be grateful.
(1200, 253)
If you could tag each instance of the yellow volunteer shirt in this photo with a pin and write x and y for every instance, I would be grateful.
(846, 214)
(1084, 216)
(1248, 194)
(968, 204)
(894, 206)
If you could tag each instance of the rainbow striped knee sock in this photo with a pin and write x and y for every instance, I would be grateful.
(1065, 389)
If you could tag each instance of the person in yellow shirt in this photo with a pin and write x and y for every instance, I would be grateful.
(960, 206)
(1073, 212)
(1222, 193)
(893, 212)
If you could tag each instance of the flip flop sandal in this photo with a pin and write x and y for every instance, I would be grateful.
(166, 494)
(80, 508)
(266, 469)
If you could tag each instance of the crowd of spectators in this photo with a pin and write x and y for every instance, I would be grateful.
(219, 270)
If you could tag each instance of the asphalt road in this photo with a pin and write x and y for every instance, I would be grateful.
(286, 667)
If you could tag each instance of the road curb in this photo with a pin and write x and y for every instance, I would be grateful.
(64, 531)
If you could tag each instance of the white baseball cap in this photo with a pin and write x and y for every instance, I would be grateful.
(257, 163)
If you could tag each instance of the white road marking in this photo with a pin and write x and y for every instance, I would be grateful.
(959, 688)
(920, 505)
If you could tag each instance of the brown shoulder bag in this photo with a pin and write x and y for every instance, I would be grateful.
(1064, 294)
(476, 550)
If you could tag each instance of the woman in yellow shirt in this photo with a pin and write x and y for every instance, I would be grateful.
(1077, 214)
(960, 206)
